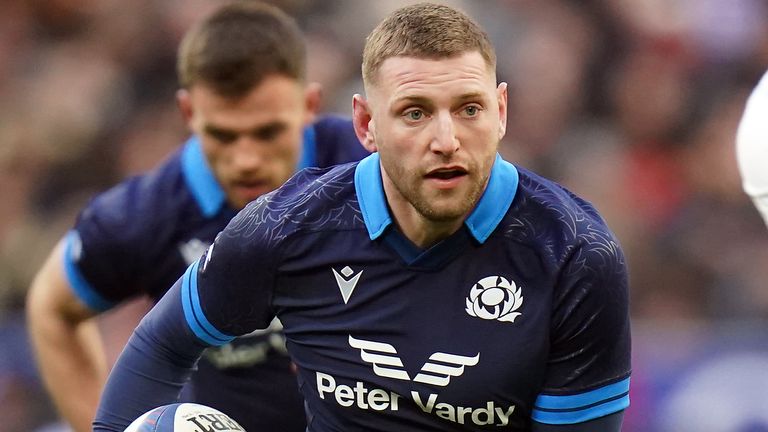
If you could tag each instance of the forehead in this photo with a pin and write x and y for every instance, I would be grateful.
(275, 97)
(403, 77)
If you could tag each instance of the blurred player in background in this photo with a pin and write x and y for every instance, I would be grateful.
(752, 147)
(432, 286)
(253, 117)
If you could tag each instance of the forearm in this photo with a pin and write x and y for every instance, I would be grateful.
(139, 382)
(152, 369)
(69, 357)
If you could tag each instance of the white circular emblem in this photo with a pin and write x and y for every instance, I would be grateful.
(494, 298)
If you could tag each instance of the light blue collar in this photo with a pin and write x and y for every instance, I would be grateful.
(206, 190)
(202, 183)
(487, 214)
(308, 149)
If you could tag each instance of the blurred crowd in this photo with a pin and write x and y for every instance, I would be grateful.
(633, 104)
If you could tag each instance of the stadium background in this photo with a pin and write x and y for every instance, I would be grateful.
(631, 103)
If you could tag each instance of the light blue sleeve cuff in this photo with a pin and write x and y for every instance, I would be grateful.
(582, 407)
(82, 289)
(193, 312)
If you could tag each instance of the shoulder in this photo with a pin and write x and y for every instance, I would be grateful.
(138, 204)
(557, 221)
(330, 125)
(336, 141)
(314, 199)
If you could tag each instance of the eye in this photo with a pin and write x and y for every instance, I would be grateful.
(471, 110)
(223, 137)
(270, 132)
(414, 115)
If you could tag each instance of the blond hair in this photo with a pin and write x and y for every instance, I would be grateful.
(424, 30)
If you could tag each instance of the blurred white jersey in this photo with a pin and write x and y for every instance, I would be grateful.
(752, 147)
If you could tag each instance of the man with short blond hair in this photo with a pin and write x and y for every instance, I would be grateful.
(432, 286)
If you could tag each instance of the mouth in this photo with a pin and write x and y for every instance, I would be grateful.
(446, 178)
(251, 189)
(448, 173)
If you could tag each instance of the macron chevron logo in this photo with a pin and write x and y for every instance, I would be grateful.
(436, 371)
(347, 281)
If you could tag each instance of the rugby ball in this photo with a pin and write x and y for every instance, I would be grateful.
(184, 417)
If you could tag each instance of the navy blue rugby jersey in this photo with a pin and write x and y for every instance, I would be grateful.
(520, 316)
(141, 235)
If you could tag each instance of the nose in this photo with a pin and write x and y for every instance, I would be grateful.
(444, 139)
(247, 155)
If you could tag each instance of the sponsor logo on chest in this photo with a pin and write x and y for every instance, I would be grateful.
(437, 371)
(377, 399)
(491, 298)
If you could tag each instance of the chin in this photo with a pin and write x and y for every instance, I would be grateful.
(446, 213)
(456, 205)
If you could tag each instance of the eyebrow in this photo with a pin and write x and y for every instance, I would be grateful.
(415, 100)
(420, 100)
(471, 96)
(267, 128)
(213, 129)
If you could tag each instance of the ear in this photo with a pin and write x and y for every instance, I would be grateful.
(362, 119)
(184, 102)
(501, 96)
(313, 96)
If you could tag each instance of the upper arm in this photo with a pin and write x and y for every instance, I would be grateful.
(95, 265)
(110, 254)
(228, 292)
(51, 293)
(588, 367)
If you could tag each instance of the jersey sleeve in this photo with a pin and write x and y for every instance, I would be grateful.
(752, 147)
(589, 363)
(101, 257)
(226, 293)
(154, 365)
(229, 290)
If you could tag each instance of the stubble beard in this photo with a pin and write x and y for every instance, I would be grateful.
(458, 207)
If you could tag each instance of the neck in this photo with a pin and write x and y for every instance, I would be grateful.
(418, 229)
(422, 232)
